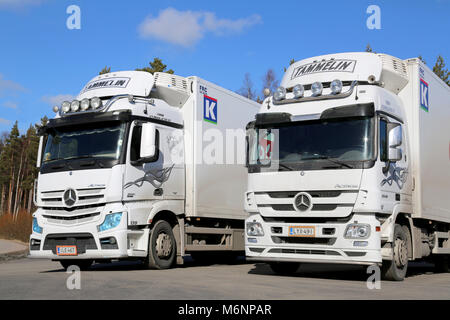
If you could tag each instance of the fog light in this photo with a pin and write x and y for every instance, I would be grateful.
(252, 240)
(316, 89)
(254, 229)
(360, 243)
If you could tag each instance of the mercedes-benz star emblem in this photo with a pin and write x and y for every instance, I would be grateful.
(303, 202)
(70, 197)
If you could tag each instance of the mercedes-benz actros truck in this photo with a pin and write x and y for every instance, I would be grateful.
(142, 166)
(348, 162)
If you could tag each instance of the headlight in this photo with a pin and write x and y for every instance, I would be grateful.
(65, 106)
(36, 227)
(112, 220)
(316, 89)
(96, 103)
(254, 229)
(279, 94)
(84, 104)
(357, 231)
(336, 86)
(298, 91)
(75, 105)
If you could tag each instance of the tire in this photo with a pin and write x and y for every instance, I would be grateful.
(395, 270)
(82, 264)
(162, 247)
(284, 268)
(441, 263)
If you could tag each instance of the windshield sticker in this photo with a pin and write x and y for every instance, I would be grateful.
(107, 83)
(332, 65)
(266, 147)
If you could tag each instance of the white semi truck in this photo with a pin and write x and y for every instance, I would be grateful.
(349, 162)
(136, 168)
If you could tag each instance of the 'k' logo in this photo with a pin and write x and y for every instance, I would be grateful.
(424, 95)
(210, 109)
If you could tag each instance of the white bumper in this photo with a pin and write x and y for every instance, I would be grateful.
(323, 248)
(87, 238)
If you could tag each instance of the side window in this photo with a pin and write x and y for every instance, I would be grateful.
(135, 148)
(383, 140)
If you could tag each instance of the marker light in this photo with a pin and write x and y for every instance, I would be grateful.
(96, 103)
(75, 105)
(316, 89)
(65, 106)
(112, 220)
(279, 94)
(298, 90)
(336, 86)
(84, 105)
(55, 109)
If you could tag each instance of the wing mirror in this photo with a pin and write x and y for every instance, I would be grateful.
(395, 140)
(149, 144)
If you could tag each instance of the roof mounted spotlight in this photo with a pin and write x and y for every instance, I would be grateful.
(55, 109)
(316, 89)
(279, 94)
(266, 92)
(65, 106)
(84, 105)
(75, 106)
(96, 103)
(336, 86)
(298, 91)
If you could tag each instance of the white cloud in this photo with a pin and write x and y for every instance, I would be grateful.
(8, 86)
(58, 99)
(15, 4)
(4, 121)
(186, 28)
(10, 105)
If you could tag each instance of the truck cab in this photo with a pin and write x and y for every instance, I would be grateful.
(329, 165)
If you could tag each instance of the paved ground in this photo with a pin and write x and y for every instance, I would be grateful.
(8, 246)
(43, 279)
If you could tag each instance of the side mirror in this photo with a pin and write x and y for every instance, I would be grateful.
(148, 141)
(395, 140)
(39, 155)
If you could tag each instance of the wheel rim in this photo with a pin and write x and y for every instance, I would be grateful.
(163, 245)
(400, 253)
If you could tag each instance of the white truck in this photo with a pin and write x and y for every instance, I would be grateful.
(134, 168)
(349, 162)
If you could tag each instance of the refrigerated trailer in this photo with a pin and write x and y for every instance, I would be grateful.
(349, 162)
(142, 166)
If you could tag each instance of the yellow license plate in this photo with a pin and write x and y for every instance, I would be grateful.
(66, 250)
(302, 231)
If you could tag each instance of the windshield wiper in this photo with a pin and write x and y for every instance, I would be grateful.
(333, 160)
(285, 167)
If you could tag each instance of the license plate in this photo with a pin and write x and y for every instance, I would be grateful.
(66, 250)
(302, 231)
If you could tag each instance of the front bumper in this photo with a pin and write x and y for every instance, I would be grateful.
(322, 248)
(89, 241)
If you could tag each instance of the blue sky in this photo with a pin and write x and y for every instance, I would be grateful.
(42, 61)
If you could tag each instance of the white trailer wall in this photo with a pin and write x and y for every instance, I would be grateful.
(428, 117)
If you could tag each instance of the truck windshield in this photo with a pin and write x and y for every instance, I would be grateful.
(99, 140)
(312, 145)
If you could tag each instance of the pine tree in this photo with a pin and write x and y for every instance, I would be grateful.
(369, 48)
(440, 71)
(105, 70)
(156, 66)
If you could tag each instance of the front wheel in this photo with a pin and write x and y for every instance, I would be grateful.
(162, 247)
(82, 264)
(395, 269)
(284, 268)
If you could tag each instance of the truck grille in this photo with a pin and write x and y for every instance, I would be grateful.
(85, 197)
(324, 203)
